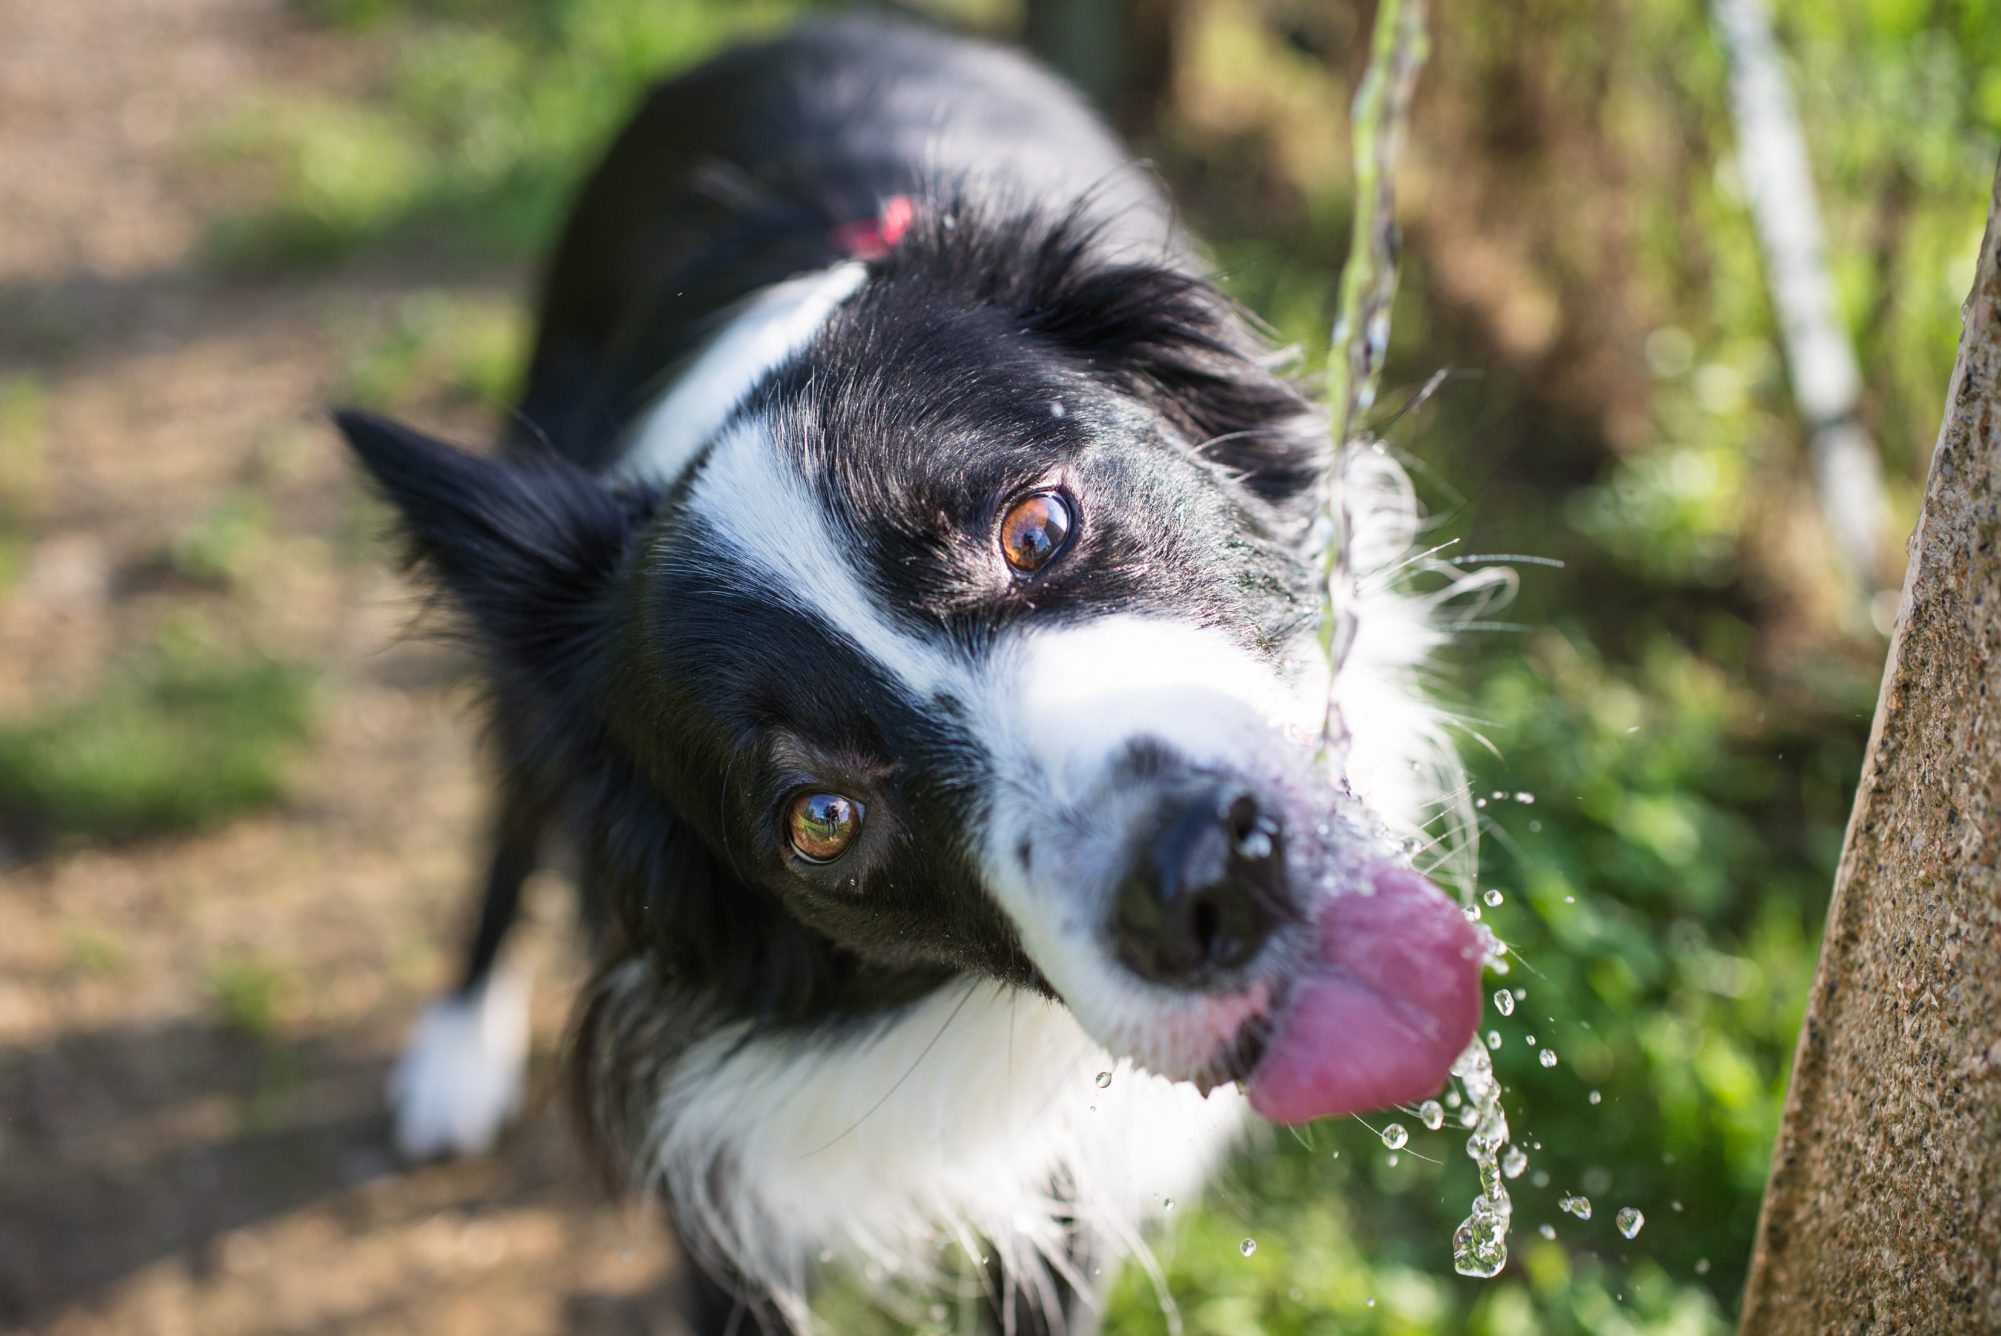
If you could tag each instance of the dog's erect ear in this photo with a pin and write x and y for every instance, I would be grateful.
(524, 545)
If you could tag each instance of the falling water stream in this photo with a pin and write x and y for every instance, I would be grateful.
(1354, 366)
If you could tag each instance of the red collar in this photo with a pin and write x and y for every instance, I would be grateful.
(872, 238)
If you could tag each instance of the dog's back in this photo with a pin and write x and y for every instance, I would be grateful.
(761, 163)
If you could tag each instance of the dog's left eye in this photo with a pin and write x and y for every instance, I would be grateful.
(1034, 530)
(823, 825)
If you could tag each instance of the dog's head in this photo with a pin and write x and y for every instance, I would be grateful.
(977, 639)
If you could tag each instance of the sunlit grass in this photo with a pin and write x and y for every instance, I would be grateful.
(172, 743)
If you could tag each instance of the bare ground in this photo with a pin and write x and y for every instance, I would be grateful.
(164, 1165)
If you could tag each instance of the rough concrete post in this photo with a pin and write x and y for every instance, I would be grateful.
(1884, 1208)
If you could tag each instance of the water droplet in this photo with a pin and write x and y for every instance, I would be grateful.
(1431, 1114)
(1675, 1206)
(1167, 1205)
(1472, 913)
(1452, 1099)
(1493, 1039)
(1547, 1057)
(1493, 897)
(1513, 1161)
(1469, 1117)
(1104, 1079)
(1056, 409)
(1504, 1002)
(1529, 1039)
(1595, 1097)
(1547, 1231)
(1577, 1206)
(1525, 798)
(1702, 1266)
(1540, 1178)
(1394, 1136)
(1369, 1303)
(1570, 899)
(1247, 1247)
(1479, 802)
(1393, 1160)
(1629, 1221)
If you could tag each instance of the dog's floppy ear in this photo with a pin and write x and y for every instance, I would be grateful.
(1187, 349)
(524, 545)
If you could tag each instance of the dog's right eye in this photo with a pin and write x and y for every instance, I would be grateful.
(1034, 530)
(823, 825)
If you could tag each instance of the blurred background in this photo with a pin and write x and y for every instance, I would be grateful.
(238, 806)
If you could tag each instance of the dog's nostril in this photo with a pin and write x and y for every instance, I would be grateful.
(1204, 890)
(1252, 834)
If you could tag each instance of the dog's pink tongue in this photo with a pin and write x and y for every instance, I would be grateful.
(1393, 1002)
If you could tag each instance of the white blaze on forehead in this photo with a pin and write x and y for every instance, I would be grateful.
(766, 517)
(764, 331)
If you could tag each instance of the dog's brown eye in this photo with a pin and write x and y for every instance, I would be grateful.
(1034, 530)
(823, 825)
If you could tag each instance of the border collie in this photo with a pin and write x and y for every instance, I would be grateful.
(899, 587)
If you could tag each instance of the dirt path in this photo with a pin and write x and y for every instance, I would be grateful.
(194, 1032)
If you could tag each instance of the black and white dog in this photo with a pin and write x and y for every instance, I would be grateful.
(900, 588)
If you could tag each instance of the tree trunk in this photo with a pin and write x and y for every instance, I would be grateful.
(1884, 1207)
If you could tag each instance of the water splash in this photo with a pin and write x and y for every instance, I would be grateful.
(1480, 1244)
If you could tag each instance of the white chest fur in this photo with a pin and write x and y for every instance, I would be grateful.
(957, 1119)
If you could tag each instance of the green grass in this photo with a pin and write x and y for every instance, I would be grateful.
(23, 437)
(246, 992)
(169, 744)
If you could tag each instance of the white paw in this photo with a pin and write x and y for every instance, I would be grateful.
(460, 1076)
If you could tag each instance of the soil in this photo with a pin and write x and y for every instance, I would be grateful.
(174, 1157)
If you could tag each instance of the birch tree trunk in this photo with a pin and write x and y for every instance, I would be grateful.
(1884, 1208)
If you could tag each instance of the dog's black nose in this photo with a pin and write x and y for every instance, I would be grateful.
(1205, 888)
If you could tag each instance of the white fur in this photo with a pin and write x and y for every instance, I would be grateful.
(952, 1121)
(767, 517)
(1399, 753)
(460, 1077)
(763, 332)
(1059, 709)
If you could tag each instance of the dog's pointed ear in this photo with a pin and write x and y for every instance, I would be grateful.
(524, 545)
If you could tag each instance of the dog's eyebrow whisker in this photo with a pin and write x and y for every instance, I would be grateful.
(1382, 579)
(964, 998)
(1511, 558)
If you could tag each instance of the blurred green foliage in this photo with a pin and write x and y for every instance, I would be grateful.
(1686, 704)
(183, 737)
